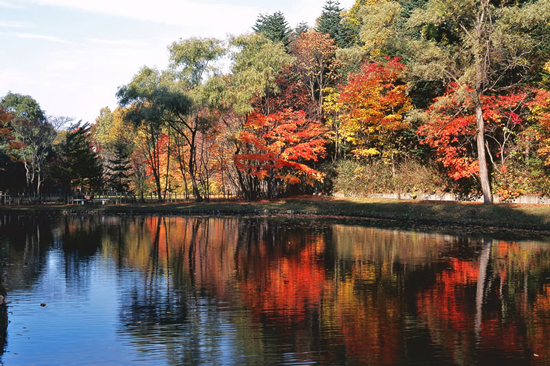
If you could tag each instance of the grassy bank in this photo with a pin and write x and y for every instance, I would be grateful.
(504, 216)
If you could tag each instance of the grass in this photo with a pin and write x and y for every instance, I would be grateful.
(403, 212)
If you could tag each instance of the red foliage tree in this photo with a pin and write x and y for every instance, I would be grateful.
(451, 130)
(274, 150)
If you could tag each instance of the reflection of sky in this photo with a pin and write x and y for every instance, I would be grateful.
(80, 323)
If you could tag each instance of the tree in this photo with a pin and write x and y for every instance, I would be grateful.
(6, 146)
(119, 167)
(451, 130)
(257, 64)
(275, 149)
(142, 99)
(191, 60)
(372, 108)
(33, 135)
(78, 166)
(316, 63)
(274, 27)
(487, 49)
(333, 23)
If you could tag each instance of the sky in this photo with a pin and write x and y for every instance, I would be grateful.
(73, 55)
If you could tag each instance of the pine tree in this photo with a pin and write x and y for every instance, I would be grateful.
(274, 27)
(118, 167)
(78, 165)
(332, 22)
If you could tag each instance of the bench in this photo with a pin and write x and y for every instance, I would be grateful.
(82, 201)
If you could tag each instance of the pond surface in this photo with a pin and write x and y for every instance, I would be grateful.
(236, 291)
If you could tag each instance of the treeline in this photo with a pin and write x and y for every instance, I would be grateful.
(418, 96)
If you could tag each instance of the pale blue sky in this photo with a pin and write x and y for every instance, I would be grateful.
(72, 55)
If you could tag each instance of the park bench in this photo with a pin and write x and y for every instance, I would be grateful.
(82, 201)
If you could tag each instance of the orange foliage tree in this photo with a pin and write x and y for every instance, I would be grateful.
(540, 110)
(274, 149)
(373, 104)
(316, 64)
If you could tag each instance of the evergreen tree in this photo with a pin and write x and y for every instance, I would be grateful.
(78, 165)
(274, 27)
(118, 167)
(332, 22)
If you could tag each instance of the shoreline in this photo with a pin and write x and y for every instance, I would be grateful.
(515, 217)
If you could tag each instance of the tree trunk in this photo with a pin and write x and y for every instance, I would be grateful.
(481, 154)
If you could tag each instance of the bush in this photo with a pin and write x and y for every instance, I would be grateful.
(354, 178)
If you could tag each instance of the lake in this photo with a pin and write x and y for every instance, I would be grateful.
(151, 290)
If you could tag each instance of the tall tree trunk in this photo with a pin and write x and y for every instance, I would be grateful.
(192, 161)
(481, 59)
(482, 156)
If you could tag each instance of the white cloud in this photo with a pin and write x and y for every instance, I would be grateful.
(82, 74)
(9, 5)
(10, 24)
(45, 37)
(118, 42)
(206, 18)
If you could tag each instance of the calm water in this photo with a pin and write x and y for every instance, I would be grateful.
(234, 291)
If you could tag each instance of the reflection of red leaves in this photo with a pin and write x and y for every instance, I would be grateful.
(445, 302)
(287, 288)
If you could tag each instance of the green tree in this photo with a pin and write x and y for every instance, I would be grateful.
(118, 168)
(175, 98)
(78, 166)
(333, 22)
(274, 27)
(144, 98)
(33, 135)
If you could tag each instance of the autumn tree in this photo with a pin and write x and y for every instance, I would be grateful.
(372, 109)
(451, 125)
(317, 65)
(6, 145)
(483, 47)
(256, 65)
(274, 151)
(118, 147)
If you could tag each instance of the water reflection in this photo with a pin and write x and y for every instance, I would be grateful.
(197, 290)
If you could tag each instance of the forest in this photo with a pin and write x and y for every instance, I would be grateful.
(417, 96)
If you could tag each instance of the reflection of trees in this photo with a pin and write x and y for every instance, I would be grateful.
(24, 242)
(339, 292)
(198, 289)
(186, 267)
(481, 308)
(282, 278)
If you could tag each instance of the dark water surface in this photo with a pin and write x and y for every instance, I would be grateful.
(237, 291)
